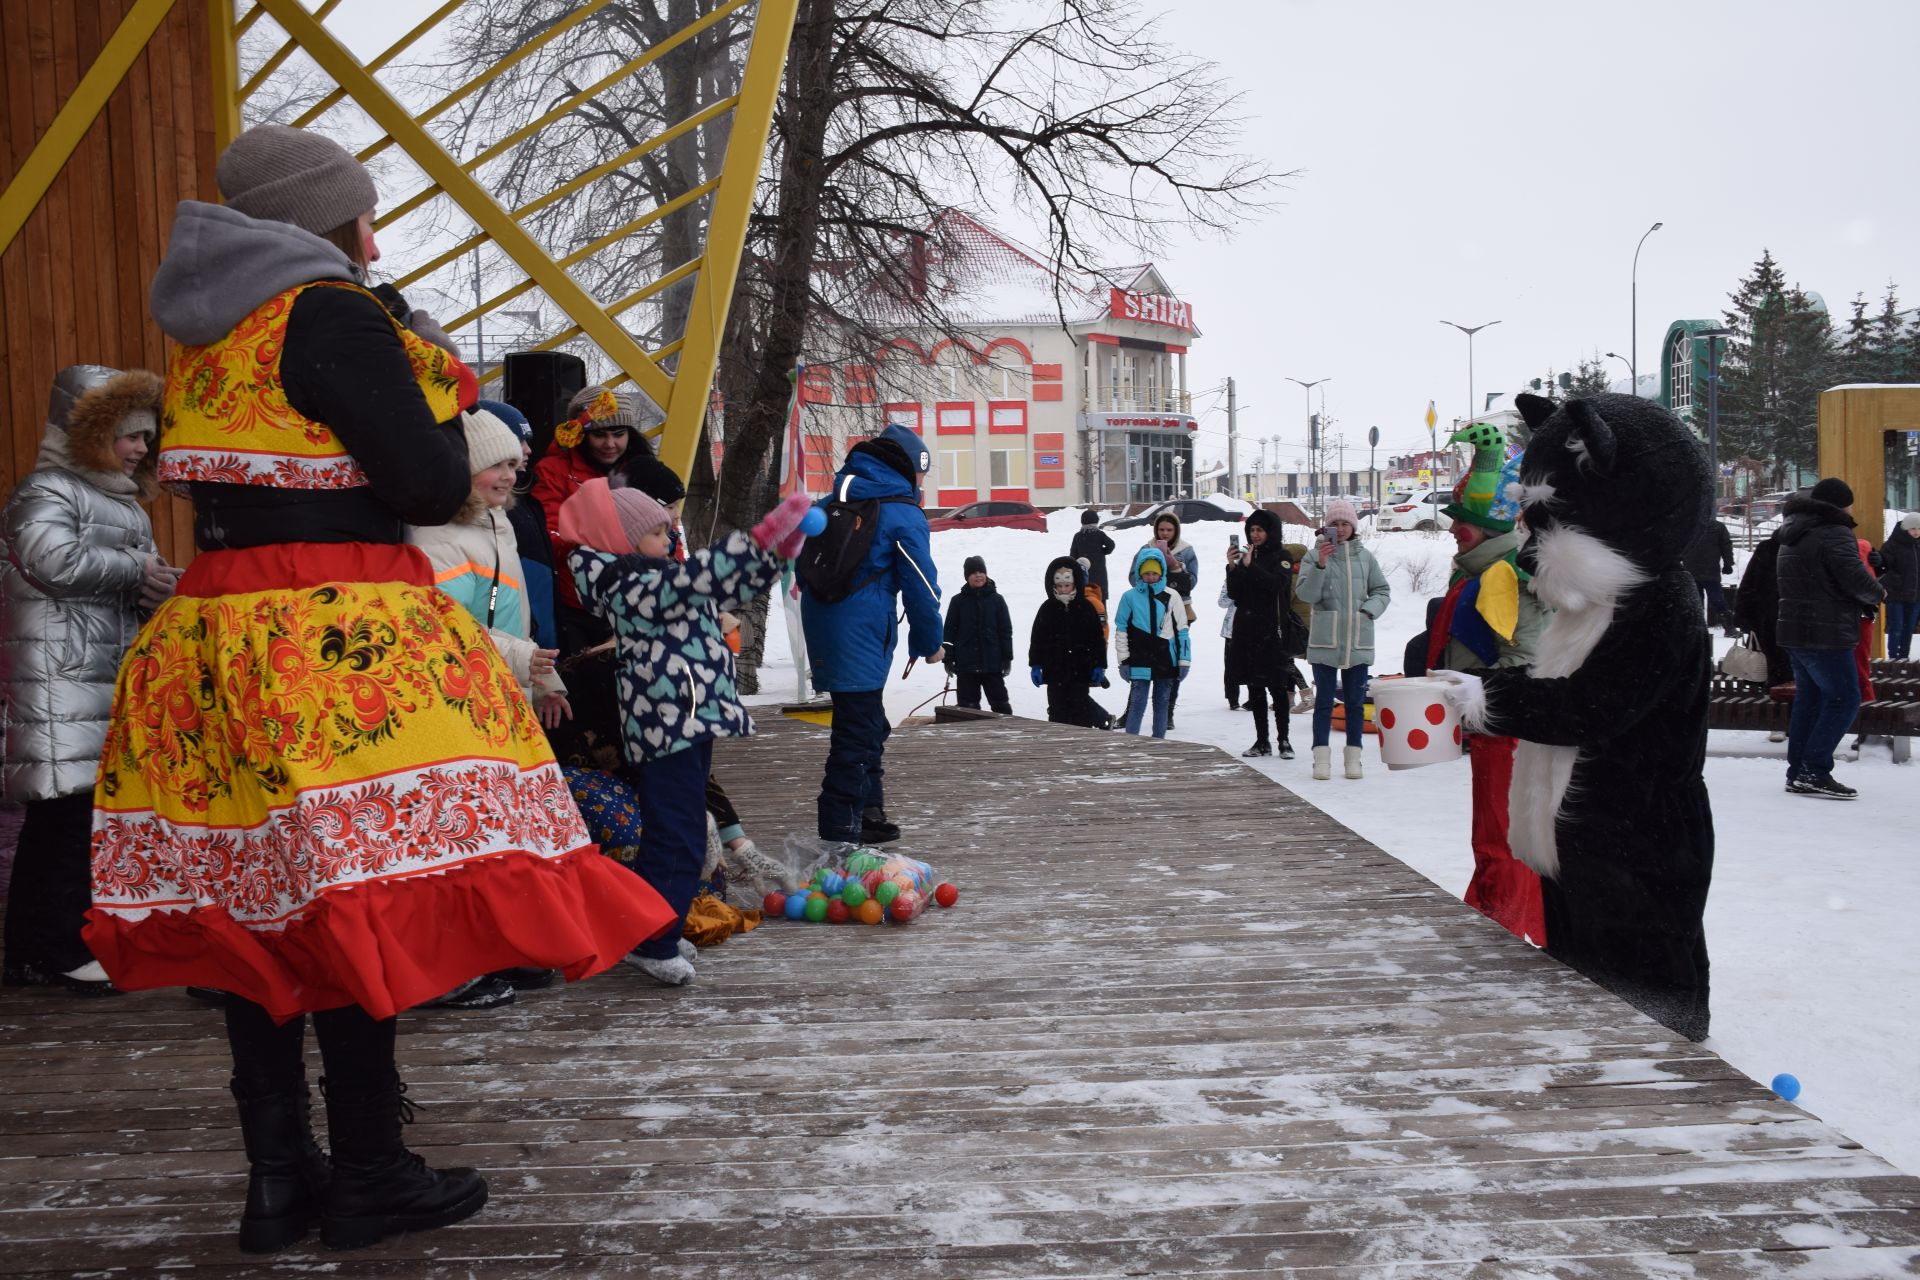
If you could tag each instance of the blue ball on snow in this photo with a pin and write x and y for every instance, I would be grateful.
(1788, 1087)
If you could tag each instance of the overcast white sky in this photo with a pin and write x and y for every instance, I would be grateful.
(1481, 161)
(1487, 160)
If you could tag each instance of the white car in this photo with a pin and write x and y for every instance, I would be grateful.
(1414, 509)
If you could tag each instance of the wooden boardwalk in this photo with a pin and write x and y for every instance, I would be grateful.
(1180, 1024)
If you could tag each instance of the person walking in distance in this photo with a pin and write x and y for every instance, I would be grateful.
(1091, 544)
(1825, 590)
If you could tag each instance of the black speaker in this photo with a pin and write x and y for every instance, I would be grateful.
(539, 384)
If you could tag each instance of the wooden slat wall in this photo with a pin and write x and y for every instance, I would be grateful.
(73, 284)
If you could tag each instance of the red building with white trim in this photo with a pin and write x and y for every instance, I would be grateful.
(1021, 407)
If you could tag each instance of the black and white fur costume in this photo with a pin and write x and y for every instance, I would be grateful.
(1608, 800)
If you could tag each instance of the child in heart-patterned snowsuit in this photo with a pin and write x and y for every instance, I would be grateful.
(676, 675)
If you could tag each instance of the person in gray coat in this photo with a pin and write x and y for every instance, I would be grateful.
(78, 572)
(1348, 592)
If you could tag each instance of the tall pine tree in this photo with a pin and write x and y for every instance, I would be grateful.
(1779, 359)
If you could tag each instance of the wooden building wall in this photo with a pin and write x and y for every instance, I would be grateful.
(73, 284)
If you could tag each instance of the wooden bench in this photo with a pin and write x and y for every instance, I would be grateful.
(1893, 714)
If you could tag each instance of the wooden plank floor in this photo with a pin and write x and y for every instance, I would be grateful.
(1180, 1024)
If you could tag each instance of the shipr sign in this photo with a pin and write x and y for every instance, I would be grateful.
(1151, 308)
(1417, 724)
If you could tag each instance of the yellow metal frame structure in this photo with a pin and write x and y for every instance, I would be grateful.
(681, 391)
(1854, 422)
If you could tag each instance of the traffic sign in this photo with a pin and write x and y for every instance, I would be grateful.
(1432, 417)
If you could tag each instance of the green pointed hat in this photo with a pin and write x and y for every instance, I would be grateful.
(1481, 498)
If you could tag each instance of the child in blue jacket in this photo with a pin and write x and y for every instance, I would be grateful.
(1150, 640)
(676, 676)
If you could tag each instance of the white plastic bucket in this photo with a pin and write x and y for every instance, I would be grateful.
(1417, 724)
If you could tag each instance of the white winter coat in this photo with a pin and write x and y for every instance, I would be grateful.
(477, 561)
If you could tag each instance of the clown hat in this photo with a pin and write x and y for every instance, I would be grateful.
(1482, 498)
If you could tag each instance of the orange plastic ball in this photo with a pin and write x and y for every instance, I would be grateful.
(869, 912)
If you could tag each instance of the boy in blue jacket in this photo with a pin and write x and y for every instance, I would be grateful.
(1150, 640)
(850, 641)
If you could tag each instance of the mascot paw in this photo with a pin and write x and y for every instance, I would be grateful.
(1467, 694)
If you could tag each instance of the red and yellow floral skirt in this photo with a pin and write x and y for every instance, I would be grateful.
(322, 787)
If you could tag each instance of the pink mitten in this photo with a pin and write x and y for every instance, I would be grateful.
(779, 531)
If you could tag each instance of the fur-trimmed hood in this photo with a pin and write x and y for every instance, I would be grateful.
(90, 407)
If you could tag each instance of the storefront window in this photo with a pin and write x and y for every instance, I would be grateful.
(1151, 475)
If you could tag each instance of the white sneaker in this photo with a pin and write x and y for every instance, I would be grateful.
(688, 951)
(1353, 762)
(88, 972)
(673, 972)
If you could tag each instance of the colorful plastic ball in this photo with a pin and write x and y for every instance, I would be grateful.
(814, 523)
(904, 908)
(946, 895)
(854, 894)
(774, 903)
(869, 912)
(816, 909)
(837, 912)
(870, 880)
(1788, 1087)
(886, 892)
(796, 908)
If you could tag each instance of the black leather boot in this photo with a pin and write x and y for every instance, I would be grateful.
(287, 1173)
(1260, 747)
(380, 1188)
(874, 827)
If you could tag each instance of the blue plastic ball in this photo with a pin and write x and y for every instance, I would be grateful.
(814, 522)
(796, 906)
(1788, 1087)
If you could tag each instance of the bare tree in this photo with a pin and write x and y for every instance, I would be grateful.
(1076, 114)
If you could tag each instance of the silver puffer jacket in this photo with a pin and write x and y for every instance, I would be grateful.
(72, 560)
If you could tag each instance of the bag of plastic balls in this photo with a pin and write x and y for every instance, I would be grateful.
(865, 886)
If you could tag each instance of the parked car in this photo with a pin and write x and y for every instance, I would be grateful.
(1415, 509)
(991, 515)
(1186, 510)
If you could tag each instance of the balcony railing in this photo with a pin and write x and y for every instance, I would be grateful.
(1107, 400)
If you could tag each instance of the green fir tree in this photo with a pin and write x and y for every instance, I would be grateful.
(1779, 359)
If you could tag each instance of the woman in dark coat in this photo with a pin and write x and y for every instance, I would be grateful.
(1260, 583)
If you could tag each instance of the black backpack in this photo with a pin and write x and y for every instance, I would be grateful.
(830, 559)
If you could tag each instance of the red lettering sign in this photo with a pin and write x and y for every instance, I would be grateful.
(1150, 308)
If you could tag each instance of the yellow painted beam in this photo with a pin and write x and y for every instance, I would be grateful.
(658, 140)
(494, 72)
(224, 72)
(474, 200)
(280, 55)
(727, 232)
(392, 51)
(70, 124)
(652, 55)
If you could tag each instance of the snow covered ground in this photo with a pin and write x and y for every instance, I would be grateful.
(1811, 919)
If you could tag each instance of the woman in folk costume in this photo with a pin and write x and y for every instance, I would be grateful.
(1490, 618)
(322, 790)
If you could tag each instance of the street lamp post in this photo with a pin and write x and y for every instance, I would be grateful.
(1472, 413)
(1615, 355)
(1313, 444)
(1633, 364)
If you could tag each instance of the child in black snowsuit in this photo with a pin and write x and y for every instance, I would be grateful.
(979, 635)
(1067, 651)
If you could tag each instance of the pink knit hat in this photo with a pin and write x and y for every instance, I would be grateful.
(1341, 509)
(610, 520)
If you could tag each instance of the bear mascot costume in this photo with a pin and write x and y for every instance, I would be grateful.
(1608, 802)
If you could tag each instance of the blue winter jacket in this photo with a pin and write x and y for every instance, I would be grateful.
(1150, 636)
(850, 644)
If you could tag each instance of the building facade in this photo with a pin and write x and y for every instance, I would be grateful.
(1015, 404)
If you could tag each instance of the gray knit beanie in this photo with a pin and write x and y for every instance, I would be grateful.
(280, 174)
